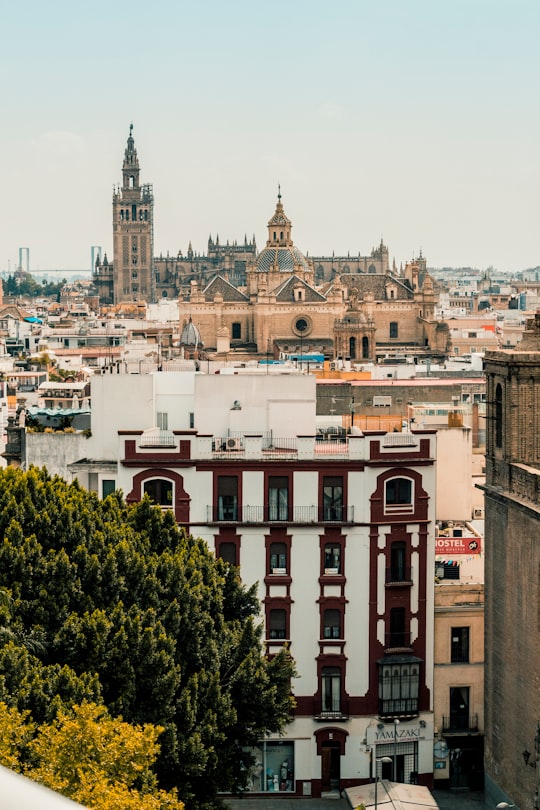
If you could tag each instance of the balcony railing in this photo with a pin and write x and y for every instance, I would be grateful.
(459, 724)
(399, 575)
(274, 447)
(332, 715)
(398, 707)
(280, 514)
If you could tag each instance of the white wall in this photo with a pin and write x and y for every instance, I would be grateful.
(119, 402)
(284, 404)
(454, 473)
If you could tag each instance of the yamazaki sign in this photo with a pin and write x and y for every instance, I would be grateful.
(457, 545)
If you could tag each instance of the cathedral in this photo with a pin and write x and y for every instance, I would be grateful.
(277, 299)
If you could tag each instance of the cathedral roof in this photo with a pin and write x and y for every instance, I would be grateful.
(220, 286)
(376, 283)
(285, 291)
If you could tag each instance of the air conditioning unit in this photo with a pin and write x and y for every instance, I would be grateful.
(478, 513)
(234, 444)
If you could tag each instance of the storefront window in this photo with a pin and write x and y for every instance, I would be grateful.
(272, 770)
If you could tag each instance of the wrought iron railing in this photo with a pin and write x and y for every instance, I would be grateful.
(280, 514)
(459, 723)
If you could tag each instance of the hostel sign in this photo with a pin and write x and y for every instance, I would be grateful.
(448, 546)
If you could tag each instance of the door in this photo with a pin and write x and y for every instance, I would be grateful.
(330, 767)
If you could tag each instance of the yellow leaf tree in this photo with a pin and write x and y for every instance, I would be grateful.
(100, 761)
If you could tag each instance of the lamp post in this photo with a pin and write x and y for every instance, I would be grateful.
(381, 759)
(396, 724)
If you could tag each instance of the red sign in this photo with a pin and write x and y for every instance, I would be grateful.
(457, 545)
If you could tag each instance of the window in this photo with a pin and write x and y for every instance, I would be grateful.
(277, 623)
(332, 623)
(399, 636)
(447, 570)
(278, 558)
(107, 487)
(393, 329)
(331, 690)
(398, 494)
(498, 416)
(236, 331)
(459, 708)
(365, 348)
(227, 552)
(398, 570)
(332, 558)
(332, 497)
(459, 645)
(162, 420)
(398, 687)
(278, 498)
(227, 493)
(273, 767)
(160, 490)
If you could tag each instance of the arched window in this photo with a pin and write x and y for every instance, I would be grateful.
(160, 490)
(365, 348)
(398, 494)
(498, 416)
(352, 348)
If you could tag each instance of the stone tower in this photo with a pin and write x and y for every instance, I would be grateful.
(133, 233)
(512, 572)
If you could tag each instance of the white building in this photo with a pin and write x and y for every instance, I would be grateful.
(339, 534)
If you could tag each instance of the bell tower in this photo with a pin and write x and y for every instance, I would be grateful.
(133, 233)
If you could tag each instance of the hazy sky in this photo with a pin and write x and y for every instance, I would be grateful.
(417, 121)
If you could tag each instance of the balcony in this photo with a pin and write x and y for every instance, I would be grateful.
(398, 575)
(397, 642)
(398, 707)
(460, 724)
(325, 716)
(280, 514)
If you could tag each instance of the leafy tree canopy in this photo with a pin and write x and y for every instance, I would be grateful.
(88, 756)
(109, 603)
(26, 285)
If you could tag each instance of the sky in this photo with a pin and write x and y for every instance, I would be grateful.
(413, 121)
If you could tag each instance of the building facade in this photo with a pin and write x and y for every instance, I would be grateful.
(512, 507)
(338, 534)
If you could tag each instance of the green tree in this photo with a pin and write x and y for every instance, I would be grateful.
(133, 612)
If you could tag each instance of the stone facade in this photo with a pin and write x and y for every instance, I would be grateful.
(512, 501)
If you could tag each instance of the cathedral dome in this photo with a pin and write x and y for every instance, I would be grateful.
(286, 259)
(280, 253)
(190, 335)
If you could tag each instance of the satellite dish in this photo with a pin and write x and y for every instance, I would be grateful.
(441, 750)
